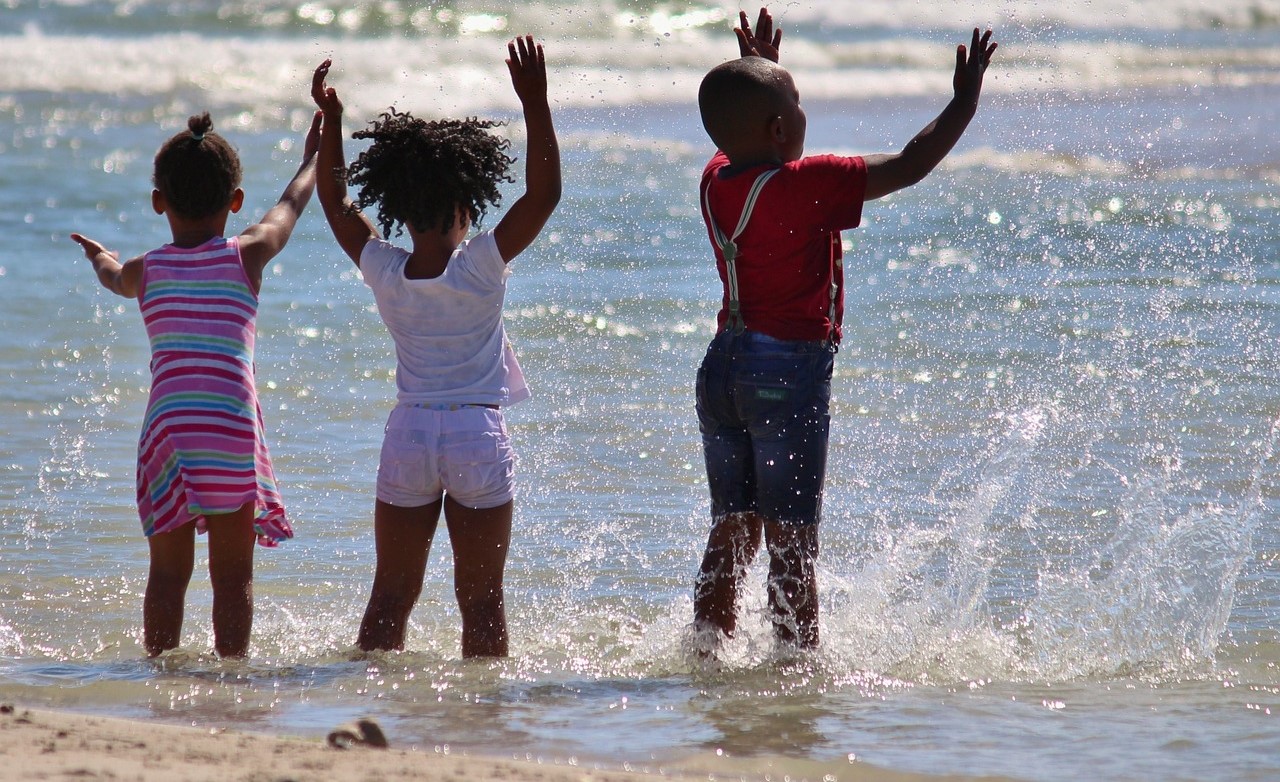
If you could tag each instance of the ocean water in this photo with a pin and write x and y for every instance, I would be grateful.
(1049, 543)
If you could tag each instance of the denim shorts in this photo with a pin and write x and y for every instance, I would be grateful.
(764, 412)
(428, 451)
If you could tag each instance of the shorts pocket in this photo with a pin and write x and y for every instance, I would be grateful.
(478, 467)
(402, 468)
(774, 385)
(713, 395)
(780, 393)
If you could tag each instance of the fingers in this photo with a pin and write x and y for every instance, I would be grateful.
(317, 80)
(746, 41)
(528, 68)
(981, 48)
(977, 55)
(764, 25)
(91, 248)
(764, 30)
(524, 54)
(311, 143)
(324, 96)
(762, 41)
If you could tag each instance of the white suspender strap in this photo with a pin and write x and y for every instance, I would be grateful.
(729, 248)
(837, 265)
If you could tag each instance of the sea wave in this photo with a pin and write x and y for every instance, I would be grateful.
(165, 74)
(1067, 164)
(627, 18)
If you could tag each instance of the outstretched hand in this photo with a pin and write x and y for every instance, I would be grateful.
(528, 69)
(971, 64)
(121, 279)
(325, 97)
(764, 41)
(93, 249)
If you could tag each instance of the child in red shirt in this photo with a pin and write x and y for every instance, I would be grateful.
(764, 387)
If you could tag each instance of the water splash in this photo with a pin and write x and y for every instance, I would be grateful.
(1156, 599)
(1146, 588)
(918, 609)
(10, 641)
(81, 421)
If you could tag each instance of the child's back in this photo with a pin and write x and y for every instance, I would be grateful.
(475, 361)
(788, 255)
(202, 448)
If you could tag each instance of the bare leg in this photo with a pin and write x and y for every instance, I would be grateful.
(481, 538)
(793, 582)
(231, 543)
(402, 537)
(731, 546)
(172, 560)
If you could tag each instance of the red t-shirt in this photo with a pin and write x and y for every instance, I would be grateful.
(789, 252)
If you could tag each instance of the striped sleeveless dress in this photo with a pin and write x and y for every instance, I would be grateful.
(202, 449)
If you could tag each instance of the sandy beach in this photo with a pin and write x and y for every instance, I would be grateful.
(55, 745)
(37, 744)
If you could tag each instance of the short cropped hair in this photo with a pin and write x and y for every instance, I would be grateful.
(420, 173)
(737, 94)
(196, 170)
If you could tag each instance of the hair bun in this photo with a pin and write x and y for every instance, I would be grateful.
(199, 125)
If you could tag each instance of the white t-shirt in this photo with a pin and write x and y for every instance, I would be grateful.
(451, 346)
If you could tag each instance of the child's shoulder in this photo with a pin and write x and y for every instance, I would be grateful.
(827, 162)
(838, 174)
(480, 253)
(214, 245)
(378, 254)
(807, 165)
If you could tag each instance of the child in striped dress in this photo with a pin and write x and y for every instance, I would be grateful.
(203, 464)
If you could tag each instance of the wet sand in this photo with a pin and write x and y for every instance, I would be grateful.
(37, 744)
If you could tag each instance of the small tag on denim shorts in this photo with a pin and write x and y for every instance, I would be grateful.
(771, 394)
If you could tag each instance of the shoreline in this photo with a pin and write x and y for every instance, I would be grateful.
(62, 745)
(48, 744)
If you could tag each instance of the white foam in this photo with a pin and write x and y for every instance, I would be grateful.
(1081, 14)
(450, 60)
(267, 76)
(662, 19)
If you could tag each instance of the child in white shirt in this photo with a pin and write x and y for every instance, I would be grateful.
(446, 445)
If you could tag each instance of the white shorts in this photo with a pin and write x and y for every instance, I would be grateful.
(464, 451)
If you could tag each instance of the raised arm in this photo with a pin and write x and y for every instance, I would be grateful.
(120, 279)
(350, 227)
(887, 173)
(520, 225)
(263, 241)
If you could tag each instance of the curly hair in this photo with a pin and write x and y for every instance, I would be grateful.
(196, 170)
(420, 173)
